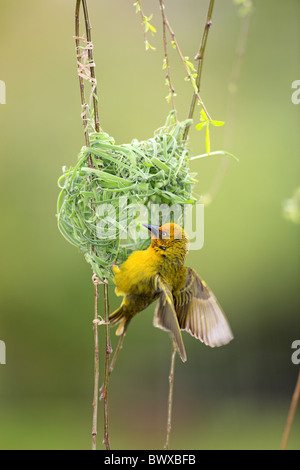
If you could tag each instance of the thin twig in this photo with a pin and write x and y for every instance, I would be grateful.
(200, 58)
(95, 327)
(86, 72)
(189, 76)
(113, 361)
(291, 415)
(106, 371)
(170, 398)
(81, 79)
(115, 356)
(92, 66)
(96, 371)
(143, 23)
(108, 351)
(168, 75)
(146, 24)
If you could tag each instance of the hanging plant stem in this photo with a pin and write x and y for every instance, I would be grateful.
(187, 66)
(96, 370)
(108, 351)
(172, 94)
(291, 415)
(86, 73)
(170, 399)
(200, 57)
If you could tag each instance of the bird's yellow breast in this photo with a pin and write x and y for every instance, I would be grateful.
(134, 276)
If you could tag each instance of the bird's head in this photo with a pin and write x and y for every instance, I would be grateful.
(170, 239)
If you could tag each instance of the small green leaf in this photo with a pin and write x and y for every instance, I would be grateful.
(203, 116)
(189, 64)
(152, 29)
(146, 20)
(201, 125)
(217, 123)
(193, 81)
(137, 7)
(148, 46)
(218, 152)
(160, 164)
(169, 97)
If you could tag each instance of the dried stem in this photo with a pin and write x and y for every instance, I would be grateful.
(143, 23)
(170, 399)
(189, 76)
(86, 72)
(91, 66)
(200, 57)
(113, 361)
(291, 415)
(96, 370)
(168, 75)
(115, 356)
(106, 371)
(81, 79)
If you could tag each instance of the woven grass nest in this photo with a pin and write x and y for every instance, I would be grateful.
(94, 203)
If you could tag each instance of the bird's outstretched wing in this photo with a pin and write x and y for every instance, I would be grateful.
(165, 315)
(200, 314)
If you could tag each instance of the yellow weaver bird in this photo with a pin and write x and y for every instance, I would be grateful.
(185, 302)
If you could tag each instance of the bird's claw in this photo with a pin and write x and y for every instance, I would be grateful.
(96, 280)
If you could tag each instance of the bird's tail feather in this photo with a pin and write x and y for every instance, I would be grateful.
(120, 316)
(116, 316)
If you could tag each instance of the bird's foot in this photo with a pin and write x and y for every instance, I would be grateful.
(100, 321)
(96, 280)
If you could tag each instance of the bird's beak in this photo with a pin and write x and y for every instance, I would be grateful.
(154, 229)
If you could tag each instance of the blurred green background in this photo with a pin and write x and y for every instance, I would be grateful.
(236, 397)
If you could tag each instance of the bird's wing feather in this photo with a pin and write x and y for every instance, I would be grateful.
(165, 315)
(200, 314)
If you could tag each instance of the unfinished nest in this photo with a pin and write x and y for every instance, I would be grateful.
(97, 194)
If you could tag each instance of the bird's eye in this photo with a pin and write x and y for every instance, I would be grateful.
(164, 234)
